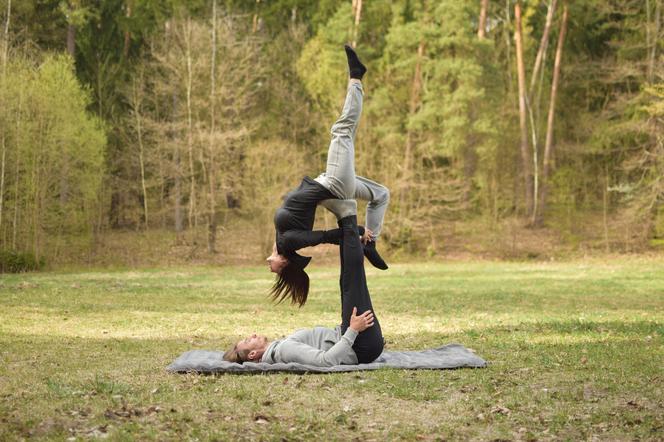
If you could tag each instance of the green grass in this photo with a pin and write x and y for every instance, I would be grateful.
(575, 349)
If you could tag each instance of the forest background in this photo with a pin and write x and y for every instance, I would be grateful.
(140, 132)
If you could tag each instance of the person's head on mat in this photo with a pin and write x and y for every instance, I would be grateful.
(250, 349)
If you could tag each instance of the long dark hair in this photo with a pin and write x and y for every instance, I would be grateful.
(292, 283)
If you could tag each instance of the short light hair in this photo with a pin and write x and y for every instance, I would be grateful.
(235, 355)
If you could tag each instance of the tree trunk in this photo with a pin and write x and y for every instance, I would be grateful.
(544, 43)
(17, 169)
(654, 42)
(137, 99)
(508, 47)
(127, 34)
(71, 40)
(64, 188)
(190, 129)
(525, 149)
(412, 108)
(17, 174)
(358, 12)
(481, 29)
(5, 38)
(3, 140)
(535, 102)
(212, 215)
(179, 221)
(549, 146)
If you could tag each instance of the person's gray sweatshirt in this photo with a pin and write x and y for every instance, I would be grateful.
(319, 346)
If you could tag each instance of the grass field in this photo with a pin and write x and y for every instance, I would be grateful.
(576, 352)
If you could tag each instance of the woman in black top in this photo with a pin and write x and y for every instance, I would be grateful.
(336, 188)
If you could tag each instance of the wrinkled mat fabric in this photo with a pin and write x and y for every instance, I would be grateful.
(447, 356)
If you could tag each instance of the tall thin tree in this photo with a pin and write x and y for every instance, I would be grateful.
(212, 194)
(190, 123)
(3, 141)
(71, 27)
(654, 41)
(127, 34)
(137, 104)
(544, 43)
(481, 28)
(413, 105)
(549, 146)
(523, 124)
(358, 12)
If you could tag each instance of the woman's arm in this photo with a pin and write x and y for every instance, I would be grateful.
(297, 239)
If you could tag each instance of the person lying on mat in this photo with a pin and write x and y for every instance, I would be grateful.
(358, 339)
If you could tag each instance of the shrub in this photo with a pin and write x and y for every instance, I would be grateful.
(18, 262)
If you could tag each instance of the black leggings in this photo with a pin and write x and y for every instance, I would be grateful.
(354, 292)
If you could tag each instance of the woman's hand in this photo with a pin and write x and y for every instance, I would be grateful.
(368, 236)
(359, 323)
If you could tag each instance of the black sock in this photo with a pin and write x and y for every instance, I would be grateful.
(355, 66)
(373, 256)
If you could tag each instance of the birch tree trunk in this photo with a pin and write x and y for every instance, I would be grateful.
(178, 215)
(136, 104)
(534, 103)
(544, 43)
(525, 148)
(481, 29)
(212, 215)
(549, 146)
(190, 129)
(358, 13)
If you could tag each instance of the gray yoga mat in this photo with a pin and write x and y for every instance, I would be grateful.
(447, 356)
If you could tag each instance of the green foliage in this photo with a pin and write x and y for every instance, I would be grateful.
(19, 262)
(440, 127)
(322, 65)
(54, 153)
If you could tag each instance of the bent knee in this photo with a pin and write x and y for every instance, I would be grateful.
(382, 195)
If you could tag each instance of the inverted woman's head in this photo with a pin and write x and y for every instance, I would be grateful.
(293, 283)
(276, 262)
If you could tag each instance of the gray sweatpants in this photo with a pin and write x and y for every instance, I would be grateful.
(339, 176)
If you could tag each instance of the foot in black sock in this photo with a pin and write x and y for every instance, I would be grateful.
(372, 255)
(355, 66)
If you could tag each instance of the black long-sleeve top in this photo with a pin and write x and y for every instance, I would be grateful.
(294, 220)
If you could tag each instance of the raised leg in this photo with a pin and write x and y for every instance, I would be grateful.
(339, 175)
(355, 293)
